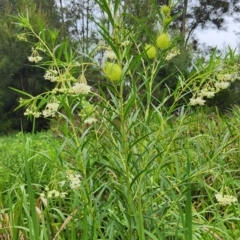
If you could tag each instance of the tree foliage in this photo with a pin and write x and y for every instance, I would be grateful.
(77, 22)
(15, 70)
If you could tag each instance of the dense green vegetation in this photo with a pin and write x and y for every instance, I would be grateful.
(15, 70)
(174, 168)
(133, 151)
(75, 21)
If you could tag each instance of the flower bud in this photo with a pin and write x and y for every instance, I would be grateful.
(163, 41)
(113, 71)
(150, 51)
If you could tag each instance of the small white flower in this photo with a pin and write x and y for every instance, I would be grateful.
(63, 194)
(222, 85)
(227, 77)
(36, 114)
(50, 109)
(173, 53)
(52, 106)
(38, 59)
(51, 75)
(28, 112)
(35, 59)
(206, 93)
(53, 193)
(62, 183)
(47, 113)
(50, 194)
(31, 59)
(224, 77)
(57, 193)
(225, 199)
(197, 101)
(80, 88)
(110, 55)
(34, 56)
(90, 120)
(74, 180)
(33, 113)
(74, 184)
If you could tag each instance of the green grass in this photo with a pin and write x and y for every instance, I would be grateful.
(158, 184)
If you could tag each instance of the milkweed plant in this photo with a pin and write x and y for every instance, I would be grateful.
(121, 169)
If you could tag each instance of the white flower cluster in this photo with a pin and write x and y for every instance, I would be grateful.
(35, 57)
(53, 194)
(51, 75)
(50, 110)
(224, 77)
(30, 112)
(225, 73)
(207, 93)
(90, 120)
(109, 54)
(80, 88)
(197, 101)
(172, 53)
(222, 85)
(22, 37)
(225, 199)
(74, 180)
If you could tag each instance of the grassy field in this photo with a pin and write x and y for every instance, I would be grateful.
(149, 181)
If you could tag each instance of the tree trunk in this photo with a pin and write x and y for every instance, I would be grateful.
(63, 23)
(183, 24)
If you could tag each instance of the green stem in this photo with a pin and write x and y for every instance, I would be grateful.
(125, 156)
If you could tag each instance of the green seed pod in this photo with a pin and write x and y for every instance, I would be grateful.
(113, 71)
(165, 10)
(166, 20)
(163, 41)
(150, 51)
